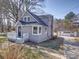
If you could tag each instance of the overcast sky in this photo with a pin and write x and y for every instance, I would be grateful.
(59, 8)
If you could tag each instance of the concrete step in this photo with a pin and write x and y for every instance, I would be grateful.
(19, 40)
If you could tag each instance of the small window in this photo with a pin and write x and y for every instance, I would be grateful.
(26, 19)
(35, 30)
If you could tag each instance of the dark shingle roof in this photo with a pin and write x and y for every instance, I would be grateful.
(39, 20)
(24, 23)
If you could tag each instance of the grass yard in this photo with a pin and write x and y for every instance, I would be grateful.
(75, 39)
(3, 38)
(52, 44)
(55, 46)
(18, 51)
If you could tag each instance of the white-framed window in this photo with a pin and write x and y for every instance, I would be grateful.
(40, 30)
(27, 18)
(36, 30)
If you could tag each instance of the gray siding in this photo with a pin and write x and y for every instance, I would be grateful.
(48, 19)
(35, 38)
(26, 29)
(39, 38)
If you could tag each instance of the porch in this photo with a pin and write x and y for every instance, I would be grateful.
(13, 36)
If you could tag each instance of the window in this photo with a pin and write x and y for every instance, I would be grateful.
(26, 18)
(36, 30)
(39, 30)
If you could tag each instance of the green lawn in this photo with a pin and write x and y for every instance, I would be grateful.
(2, 39)
(21, 52)
(77, 40)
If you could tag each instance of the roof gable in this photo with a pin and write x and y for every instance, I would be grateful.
(35, 17)
(38, 19)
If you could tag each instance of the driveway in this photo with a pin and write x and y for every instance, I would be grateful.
(71, 43)
(71, 50)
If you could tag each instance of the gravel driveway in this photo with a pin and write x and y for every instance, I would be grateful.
(71, 43)
(71, 52)
(71, 49)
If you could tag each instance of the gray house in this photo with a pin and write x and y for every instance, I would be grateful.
(33, 28)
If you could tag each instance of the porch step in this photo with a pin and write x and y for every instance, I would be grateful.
(19, 40)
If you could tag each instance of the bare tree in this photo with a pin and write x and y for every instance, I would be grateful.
(13, 9)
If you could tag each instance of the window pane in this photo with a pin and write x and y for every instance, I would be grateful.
(39, 29)
(25, 18)
(34, 30)
(28, 18)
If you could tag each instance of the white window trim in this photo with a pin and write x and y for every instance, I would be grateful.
(37, 30)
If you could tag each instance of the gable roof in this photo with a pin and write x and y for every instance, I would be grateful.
(39, 20)
(24, 23)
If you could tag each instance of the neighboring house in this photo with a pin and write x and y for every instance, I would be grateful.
(64, 32)
(67, 33)
(76, 20)
(76, 23)
(34, 28)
